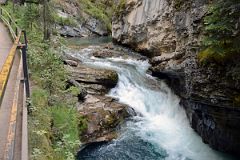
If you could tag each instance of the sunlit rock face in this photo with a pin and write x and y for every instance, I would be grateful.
(157, 27)
(169, 32)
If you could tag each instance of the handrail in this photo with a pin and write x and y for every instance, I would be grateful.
(16, 34)
(8, 20)
(5, 70)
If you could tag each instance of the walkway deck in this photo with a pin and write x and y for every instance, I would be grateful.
(6, 108)
(5, 44)
(3, 1)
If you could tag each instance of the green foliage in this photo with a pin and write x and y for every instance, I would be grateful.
(101, 10)
(64, 21)
(118, 9)
(39, 127)
(209, 54)
(65, 131)
(54, 125)
(30, 14)
(53, 130)
(74, 90)
(222, 36)
(48, 70)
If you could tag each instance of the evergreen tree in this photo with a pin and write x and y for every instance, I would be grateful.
(222, 28)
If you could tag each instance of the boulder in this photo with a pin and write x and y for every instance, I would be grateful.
(103, 115)
(96, 26)
(71, 63)
(94, 80)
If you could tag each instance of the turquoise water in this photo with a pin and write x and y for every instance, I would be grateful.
(86, 41)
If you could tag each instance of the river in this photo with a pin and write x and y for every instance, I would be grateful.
(160, 130)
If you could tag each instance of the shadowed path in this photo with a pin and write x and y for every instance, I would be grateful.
(6, 107)
(5, 44)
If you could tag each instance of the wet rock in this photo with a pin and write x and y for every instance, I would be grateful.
(114, 51)
(66, 57)
(97, 27)
(71, 63)
(106, 53)
(73, 31)
(103, 115)
(95, 81)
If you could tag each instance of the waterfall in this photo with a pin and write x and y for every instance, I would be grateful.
(160, 130)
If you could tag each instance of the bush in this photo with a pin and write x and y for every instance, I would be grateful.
(65, 130)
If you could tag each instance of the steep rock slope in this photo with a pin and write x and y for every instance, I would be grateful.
(169, 32)
(82, 18)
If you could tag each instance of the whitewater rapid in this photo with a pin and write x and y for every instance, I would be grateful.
(160, 130)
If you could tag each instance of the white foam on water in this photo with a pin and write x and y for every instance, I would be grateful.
(163, 121)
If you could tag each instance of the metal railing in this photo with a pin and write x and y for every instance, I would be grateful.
(16, 34)
(8, 21)
(19, 38)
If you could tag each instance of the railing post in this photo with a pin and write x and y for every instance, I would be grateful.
(25, 39)
(25, 66)
(16, 30)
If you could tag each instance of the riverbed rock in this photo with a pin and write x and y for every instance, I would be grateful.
(107, 53)
(94, 80)
(116, 51)
(71, 63)
(103, 115)
(169, 32)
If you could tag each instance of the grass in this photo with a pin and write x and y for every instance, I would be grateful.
(39, 127)
(209, 54)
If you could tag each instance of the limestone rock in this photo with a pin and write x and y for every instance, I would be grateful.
(94, 80)
(103, 115)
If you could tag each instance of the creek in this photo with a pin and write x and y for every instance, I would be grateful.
(159, 131)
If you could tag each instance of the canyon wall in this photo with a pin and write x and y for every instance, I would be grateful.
(169, 32)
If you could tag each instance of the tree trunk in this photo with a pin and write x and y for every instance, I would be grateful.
(46, 30)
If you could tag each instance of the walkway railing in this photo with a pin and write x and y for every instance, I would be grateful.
(8, 21)
(20, 42)
(16, 34)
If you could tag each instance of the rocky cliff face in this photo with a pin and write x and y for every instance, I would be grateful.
(79, 18)
(169, 32)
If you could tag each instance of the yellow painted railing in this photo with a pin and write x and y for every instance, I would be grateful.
(5, 70)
